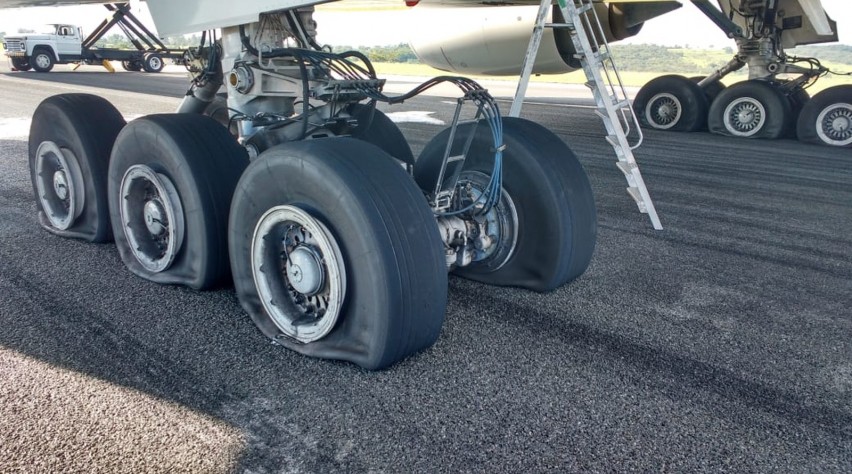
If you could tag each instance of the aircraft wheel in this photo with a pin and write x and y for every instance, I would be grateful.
(69, 148)
(712, 90)
(171, 179)
(752, 109)
(377, 128)
(671, 103)
(335, 253)
(21, 64)
(42, 60)
(548, 220)
(152, 62)
(826, 119)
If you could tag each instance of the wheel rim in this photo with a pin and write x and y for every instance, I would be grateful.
(834, 124)
(500, 223)
(299, 273)
(744, 117)
(42, 60)
(59, 183)
(663, 111)
(152, 217)
(155, 63)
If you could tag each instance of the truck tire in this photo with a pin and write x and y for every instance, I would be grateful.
(548, 193)
(131, 66)
(21, 64)
(42, 60)
(69, 148)
(152, 62)
(171, 179)
(373, 288)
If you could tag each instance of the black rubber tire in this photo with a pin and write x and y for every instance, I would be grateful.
(152, 63)
(686, 94)
(131, 66)
(377, 128)
(557, 220)
(778, 112)
(396, 276)
(47, 56)
(712, 90)
(837, 98)
(797, 100)
(21, 64)
(204, 163)
(88, 126)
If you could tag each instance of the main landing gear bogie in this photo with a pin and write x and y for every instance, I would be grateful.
(749, 109)
(331, 245)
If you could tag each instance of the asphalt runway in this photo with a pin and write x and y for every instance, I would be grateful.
(722, 343)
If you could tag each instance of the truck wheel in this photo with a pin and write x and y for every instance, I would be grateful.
(131, 66)
(335, 253)
(671, 103)
(826, 119)
(21, 64)
(171, 178)
(42, 60)
(553, 206)
(377, 128)
(152, 62)
(752, 109)
(69, 147)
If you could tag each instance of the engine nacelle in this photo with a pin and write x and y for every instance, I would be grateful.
(493, 39)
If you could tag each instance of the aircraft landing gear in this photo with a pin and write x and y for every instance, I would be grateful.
(753, 109)
(335, 253)
(70, 141)
(171, 178)
(672, 103)
(827, 118)
(544, 228)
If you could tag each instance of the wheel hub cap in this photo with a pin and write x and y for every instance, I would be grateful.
(154, 217)
(60, 184)
(305, 270)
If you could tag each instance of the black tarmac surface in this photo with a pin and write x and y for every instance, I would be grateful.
(722, 343)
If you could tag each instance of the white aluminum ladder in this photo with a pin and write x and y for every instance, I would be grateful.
(613, 106)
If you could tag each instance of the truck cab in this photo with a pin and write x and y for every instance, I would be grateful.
(59, 44)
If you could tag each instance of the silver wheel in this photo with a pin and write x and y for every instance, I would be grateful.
(299, 273)
(744, 117)
(663, 111)
(155, 63)
(834, 124)
(42, 60)
(151, 217)
(59, 183)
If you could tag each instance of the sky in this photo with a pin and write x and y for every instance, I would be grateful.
(685, 26)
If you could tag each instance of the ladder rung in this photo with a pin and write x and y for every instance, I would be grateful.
(626, 168)
(569, 26)
(584, 8)
(455, 158)
(633, 191)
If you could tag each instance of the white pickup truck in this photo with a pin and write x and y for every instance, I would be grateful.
(63, 44)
